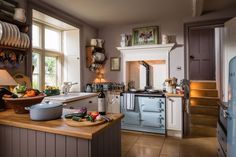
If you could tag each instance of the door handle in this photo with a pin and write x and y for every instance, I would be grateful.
(191, 57)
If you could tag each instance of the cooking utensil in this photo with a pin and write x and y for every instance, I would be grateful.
(45, 111)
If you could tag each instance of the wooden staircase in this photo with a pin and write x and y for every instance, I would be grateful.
(203, 108)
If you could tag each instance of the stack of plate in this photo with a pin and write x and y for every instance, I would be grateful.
(11, 36)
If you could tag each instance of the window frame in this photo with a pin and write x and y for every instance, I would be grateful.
(43, 52)
(40, 35)
(40, 69)
(60, 38)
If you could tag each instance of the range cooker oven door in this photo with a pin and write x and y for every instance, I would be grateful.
(132, 118)
(231, 122)
(152, 113)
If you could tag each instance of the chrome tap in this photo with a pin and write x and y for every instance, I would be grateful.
(66, 87)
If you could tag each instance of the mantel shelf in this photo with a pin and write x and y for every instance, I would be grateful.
(168, 47)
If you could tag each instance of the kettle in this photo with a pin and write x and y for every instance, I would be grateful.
(88, 88)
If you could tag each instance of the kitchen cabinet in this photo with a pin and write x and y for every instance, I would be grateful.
(91, 103)
(174, 113)
(113, 102)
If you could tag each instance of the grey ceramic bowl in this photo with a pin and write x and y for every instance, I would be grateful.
(45, 111)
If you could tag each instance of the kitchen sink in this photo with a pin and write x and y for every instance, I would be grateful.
(69, 97)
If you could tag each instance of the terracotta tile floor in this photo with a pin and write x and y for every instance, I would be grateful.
(147, 145)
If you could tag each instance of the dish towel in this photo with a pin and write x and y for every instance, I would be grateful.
(130, 101)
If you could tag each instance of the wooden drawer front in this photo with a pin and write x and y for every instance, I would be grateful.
(90, 103)
(220, 151)
(222, 139)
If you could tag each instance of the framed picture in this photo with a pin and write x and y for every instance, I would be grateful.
(145, 35)
(115, 63)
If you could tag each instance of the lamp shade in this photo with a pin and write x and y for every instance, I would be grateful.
(6, 79)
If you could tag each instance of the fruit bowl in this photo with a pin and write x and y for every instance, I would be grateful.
(19, 104)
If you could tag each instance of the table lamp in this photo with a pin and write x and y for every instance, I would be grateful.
(5, 80)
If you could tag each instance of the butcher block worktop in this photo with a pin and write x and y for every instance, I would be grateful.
(58, 126)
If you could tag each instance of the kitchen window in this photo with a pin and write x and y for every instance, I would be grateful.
(47, 55)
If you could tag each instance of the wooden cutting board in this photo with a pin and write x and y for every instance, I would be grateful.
(83, 123)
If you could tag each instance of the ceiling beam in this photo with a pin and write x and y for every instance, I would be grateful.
(197, 7)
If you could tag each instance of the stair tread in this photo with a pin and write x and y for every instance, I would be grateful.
(205, 106)
(202, 126)
(203, 116)
(204, 89)
(202, 131)
(202, 81)
(204, 97)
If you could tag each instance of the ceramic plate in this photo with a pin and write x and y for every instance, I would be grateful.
(25, 43)
(6, 32)
(1, 31)
(9, 34)
(22, 40)
(17, 35)
(28, 41)
(14, 35)
(18, 41)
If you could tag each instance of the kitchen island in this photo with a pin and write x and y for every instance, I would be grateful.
(20, 136)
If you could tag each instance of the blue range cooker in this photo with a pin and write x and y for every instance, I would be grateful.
(144, 111)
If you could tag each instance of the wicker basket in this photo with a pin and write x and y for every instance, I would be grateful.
(19, 104)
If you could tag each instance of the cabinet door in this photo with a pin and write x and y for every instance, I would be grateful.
(113, 103)
(174, 113)
(90, 103)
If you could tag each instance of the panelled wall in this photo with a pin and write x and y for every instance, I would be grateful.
(20, 142)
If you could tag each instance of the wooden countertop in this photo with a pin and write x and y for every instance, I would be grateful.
(174, 95)
(58, 126)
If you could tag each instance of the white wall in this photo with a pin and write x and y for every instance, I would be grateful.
(86, 75)
(219, 33)
(228, 54)
(111, 34)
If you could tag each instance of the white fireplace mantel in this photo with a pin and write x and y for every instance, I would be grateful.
(146, 52)
(167, 47)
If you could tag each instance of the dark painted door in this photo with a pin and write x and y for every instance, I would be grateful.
(201, 54)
